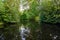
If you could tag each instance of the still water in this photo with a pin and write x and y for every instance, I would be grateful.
(30, 31)
(24, 32)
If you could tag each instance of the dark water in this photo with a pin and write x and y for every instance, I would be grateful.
(1, 34)
(50, 31)
(38, 31)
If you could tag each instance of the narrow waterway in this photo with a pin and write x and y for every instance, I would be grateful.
(30, 31)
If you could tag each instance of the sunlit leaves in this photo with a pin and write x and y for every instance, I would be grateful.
(2, 9)
(1, 6)
(33, 10)
(11, 13)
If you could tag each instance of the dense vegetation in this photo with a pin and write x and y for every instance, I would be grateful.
(50, 11)
(9, 11)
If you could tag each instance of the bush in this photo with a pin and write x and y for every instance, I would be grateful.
(50, 11)
(9, 11)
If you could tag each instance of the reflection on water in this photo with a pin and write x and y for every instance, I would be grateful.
(1, 34)
(24, 31)
(30, 31)
(1, 37)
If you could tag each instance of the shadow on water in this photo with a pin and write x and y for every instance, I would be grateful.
(35, 30)
(10, 31)
(50, 31)
(1, 34)
(38, 31)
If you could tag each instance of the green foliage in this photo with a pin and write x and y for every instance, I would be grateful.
(2, 9)
(33, 11)
(1, 6)
(50, 11)
(9, 11)
(31, 14)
